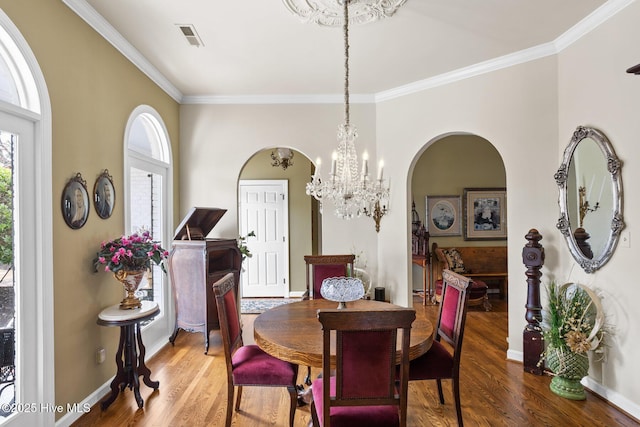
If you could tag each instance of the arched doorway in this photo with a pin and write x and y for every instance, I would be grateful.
(301, 218)
(449, 165)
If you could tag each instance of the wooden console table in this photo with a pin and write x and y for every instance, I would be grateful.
(427, 292)
(131, 351)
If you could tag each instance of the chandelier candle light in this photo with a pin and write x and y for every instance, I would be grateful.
(351, 193)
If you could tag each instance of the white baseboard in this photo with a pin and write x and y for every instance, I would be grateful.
(610, 396)
(297, 294)
(515, 355)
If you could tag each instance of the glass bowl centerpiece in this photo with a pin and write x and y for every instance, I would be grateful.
(342, 290)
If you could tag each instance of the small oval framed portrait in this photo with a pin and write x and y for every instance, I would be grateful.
(75, 202)
(104, 195)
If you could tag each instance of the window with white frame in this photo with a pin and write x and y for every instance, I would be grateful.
(26, 269)
(147, 194)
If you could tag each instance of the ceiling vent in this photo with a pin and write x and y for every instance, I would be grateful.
(189, 32)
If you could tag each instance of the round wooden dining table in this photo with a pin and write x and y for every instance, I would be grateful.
(292, 332)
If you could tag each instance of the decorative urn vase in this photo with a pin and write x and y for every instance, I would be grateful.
(569, 368)
(130, 280)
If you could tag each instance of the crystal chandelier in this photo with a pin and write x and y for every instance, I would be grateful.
(351, 193)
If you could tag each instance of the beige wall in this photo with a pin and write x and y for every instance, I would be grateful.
(93, 89)
(259, 167)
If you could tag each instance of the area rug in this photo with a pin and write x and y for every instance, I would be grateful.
(260, 305)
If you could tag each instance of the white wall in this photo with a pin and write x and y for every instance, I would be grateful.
(595, 90)
(217, 140)
(528, 112)
(516, 110)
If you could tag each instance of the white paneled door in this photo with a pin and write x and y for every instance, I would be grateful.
(264, 209)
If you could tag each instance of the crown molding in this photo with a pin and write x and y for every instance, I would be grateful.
(590, 22)
(110, 34)
(489, 66)
(585, 26)
(279, 99)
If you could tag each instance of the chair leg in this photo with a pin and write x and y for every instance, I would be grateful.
(238, 398)
(314, 415)
(293, 392)
(307, 379)
(439, 382)
(230, 390)
(455, 385)
(486, 303)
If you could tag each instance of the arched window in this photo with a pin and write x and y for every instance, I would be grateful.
(26, 267)
(17, 83)
(148, 184)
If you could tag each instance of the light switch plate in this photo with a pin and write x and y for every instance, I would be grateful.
(625, 239)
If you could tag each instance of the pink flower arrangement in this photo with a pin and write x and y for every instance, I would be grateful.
(130, 253)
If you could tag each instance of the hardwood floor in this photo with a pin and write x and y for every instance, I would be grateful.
(494, 391)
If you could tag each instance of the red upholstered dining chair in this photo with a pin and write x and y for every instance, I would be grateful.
(320, 267)
(438, 363)
(364, 390)
(248, 365)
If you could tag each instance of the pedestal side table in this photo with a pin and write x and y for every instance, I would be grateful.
(424, 262)
(131, 351)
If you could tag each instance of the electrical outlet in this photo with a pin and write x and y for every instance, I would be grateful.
(101, 355)
(625, 239)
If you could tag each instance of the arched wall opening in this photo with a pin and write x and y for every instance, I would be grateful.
(303, 221)
(446, 166)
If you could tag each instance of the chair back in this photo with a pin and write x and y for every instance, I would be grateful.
(320, 267)
(453, 309)
(230, 329)
(365, 363)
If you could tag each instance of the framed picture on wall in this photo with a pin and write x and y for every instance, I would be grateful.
(443, 216)
(104, 195)
(75, 202)
(485, 213)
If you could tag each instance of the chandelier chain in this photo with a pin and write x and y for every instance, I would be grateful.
(353, 193)
(346, 61)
